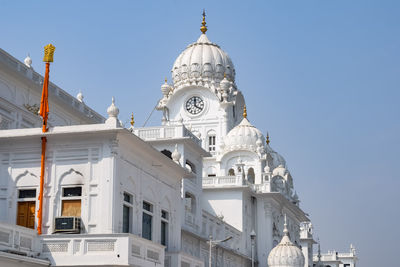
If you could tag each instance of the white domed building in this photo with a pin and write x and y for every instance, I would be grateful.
(243, 180)
(136, 207)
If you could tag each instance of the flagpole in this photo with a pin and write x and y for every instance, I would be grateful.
(44, 113)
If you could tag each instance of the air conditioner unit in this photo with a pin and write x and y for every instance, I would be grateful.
(67, 225)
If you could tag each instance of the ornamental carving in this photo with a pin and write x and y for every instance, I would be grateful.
(34, 109)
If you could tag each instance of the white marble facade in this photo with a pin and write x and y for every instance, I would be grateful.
(216, 176)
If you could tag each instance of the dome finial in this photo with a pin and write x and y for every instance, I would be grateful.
(244, 112)
(203, 28)
(166, 80)
(286, 253)
(267, 138)
(132, 120)
(285, 230)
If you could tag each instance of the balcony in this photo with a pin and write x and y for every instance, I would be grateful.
(105, 249)
(19, 240)
(19, 245)
(218, 181)
(24, 245)
(165, 132)
(221, 181)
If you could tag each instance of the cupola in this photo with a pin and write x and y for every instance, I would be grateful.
(202, 63)
(244, 137)
(286, 254)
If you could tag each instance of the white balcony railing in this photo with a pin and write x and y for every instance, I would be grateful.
(102, 249)
(165, 132)
(222, 180)
(19, 239)
(217, 181)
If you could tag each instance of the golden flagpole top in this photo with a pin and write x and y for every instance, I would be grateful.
(245, 112)
(132, 120)
(49, 53)
(203, 28)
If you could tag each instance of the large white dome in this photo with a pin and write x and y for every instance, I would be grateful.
(244, 137)
(202, 63)
(286, 254)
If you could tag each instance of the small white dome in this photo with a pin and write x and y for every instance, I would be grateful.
(202, 61)
(112, 110)
(243, 136)
(286, 254)
(280, 170)
(28, 61)
(79, 96)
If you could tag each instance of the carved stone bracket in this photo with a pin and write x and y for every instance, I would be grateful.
(34, 109)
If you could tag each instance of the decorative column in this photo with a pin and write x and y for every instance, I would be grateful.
(264, 231)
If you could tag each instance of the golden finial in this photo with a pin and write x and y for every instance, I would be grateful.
(48, 53)
(224, 74)
(267, 138)
(165, 80)
(132, 120)
(203, 28)
(244, 112)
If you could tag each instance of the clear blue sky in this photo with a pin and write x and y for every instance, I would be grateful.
(321, 76)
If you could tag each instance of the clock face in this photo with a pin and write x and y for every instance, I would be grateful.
(194, 105)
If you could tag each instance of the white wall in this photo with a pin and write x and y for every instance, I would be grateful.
(228, 203)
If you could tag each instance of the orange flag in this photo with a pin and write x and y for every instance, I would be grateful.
(44, 102)
(44, 112)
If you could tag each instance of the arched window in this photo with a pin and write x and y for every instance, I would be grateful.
(167, 153)
(250, 175)
(231, 172)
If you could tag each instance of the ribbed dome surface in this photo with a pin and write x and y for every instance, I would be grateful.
(203, 62)
(277, 159)
(286, 254)
(244, 136)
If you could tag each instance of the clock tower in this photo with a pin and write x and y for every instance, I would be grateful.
(203, 95)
